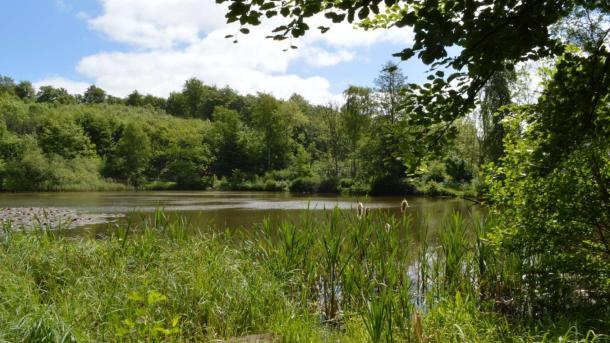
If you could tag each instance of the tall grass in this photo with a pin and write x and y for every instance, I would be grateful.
(343, 278)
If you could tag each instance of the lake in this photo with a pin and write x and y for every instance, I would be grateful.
(222, 209)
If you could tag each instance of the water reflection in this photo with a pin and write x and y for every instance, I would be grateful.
(227, 209)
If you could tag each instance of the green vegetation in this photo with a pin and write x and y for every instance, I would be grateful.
(206, 137)
(539, 271)
(378, 278)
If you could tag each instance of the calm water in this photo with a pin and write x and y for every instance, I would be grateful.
(224, 209)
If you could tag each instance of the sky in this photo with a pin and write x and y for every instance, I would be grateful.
(153, 46)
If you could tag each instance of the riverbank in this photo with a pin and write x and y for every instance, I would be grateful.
(341, 279)
(31, 218)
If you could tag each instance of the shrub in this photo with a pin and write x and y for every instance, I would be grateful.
(330, 185)
(436, 171)
(391, 185)
(457, 169)
(274, 186)
(346, 183)
(304, 185)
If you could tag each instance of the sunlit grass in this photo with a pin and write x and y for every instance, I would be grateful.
(342, 278)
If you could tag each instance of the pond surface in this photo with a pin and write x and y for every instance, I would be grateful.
(222, 209)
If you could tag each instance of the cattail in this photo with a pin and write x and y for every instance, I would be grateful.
(367, 211)
(404, 205)
(418, 326)
(388, 227)
(360, 209)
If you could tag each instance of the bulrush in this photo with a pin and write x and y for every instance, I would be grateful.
(388, 227)
(404, 205)
(360, 209)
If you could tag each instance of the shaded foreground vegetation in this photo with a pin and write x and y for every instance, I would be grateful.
(378, 278)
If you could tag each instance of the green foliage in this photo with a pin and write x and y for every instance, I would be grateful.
(132, 155)
(48, 94)
(552, 186)
(94, 95)
(271, 142)
(305, 185)
(341, 278)
(496, 94)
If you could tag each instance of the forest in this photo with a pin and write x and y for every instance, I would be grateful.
(514, 117)
(207, 137)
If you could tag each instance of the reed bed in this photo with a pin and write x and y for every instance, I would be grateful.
(347, 278)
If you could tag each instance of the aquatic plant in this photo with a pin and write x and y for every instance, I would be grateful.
(339, 278)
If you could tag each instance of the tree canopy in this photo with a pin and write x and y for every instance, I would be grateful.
(481, 30)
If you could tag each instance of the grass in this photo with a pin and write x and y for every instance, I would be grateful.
(340, 279)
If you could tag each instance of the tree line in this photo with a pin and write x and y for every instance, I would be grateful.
(204, 136)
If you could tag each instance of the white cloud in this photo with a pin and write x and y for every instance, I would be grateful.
(174, 40)
(158, 23)
(323, 58)
(73, 87)
(345, 35)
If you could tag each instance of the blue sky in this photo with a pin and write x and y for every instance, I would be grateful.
(154, 45)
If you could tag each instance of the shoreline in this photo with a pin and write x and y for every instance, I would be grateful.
(27, 218)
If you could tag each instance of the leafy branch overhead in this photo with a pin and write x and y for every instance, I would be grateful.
(492, 36)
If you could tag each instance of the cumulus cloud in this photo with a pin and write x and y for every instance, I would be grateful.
(174, 40)
(158, 23)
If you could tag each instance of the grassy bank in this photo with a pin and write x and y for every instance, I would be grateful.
(344, 278)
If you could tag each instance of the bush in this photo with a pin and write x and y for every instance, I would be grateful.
(457, 169)
(391, 185)
(346, 183)
(436, 171)
(330, 185)
(304, 185)
(359, 188)
(274, 186)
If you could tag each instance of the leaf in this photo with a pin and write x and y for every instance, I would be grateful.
(129, 323)
(323, 29)
(244, 30)
(155, 297)
(363, 13)
(135, 296)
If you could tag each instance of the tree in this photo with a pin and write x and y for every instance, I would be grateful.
(272, 119)
(227, 143)
(94, 95)
(357, 112)
(132, 154)
(49, 94)
(25, 91)
(176, 105)
(7, 85)
(194, 92)
(496, 94)
(390, 83)
(479, 28)
(554, 182)
(333, 137)
(135, 99)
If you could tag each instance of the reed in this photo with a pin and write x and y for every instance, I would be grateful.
(343, 278)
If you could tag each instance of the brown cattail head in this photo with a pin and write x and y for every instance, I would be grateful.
(404, 205)
(360, 210)
(367, 211)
